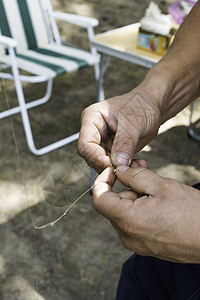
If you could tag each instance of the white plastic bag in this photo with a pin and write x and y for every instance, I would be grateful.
(156, 22)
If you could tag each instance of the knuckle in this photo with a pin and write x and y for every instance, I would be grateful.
(87, 110)
(83, 113)
(166, 186)
(165, 183)
(81, 148)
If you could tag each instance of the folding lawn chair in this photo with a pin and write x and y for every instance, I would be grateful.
(30, 41)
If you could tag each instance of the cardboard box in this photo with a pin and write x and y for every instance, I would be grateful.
(154, 42)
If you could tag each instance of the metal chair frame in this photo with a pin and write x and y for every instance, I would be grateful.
(53, 32)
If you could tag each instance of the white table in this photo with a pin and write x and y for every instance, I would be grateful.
(122, 43)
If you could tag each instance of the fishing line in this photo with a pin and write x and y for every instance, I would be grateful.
(22, 181)
(66, 211)
(35, 228)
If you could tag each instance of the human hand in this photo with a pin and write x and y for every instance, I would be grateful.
(159, 217)
(113, 130)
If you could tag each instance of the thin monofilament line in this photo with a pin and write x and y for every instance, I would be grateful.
(22, 180)
(50, 224)
(65, 212)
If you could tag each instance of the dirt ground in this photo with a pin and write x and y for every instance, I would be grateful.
(80, 258)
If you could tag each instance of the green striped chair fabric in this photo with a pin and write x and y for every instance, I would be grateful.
(24, 20)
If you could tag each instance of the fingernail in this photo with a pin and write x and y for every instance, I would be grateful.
(122, 159)
(122, 168)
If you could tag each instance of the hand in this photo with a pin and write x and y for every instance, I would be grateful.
(113, 130)
(159, 217)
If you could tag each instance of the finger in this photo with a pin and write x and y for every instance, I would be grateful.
(104, 200)
(106, 178)
(136, 163)
(95, 156)
(129, 128)
(141, 180)
(129, 195)
(93, 130)
(125, 142)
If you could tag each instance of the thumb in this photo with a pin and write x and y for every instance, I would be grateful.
(104, 200)
(125, 142)
(141, 180)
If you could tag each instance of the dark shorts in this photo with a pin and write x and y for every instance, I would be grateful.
(154, 279)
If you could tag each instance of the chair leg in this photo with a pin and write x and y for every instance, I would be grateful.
(25, 117)
(190, 128)
(29, 135)
(34, 103)
(99, 78)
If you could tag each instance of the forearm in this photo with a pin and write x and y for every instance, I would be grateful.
(175, 81)
(133, 119)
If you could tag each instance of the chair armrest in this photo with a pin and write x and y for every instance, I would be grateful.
(81, 21)
(7, 41)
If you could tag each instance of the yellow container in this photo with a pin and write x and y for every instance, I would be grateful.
(154, 42)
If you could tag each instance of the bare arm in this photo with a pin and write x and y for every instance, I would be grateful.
(112, 131)
(179, 69)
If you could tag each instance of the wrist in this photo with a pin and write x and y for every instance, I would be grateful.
(172, 84)
(145, 107)
(156, 87)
